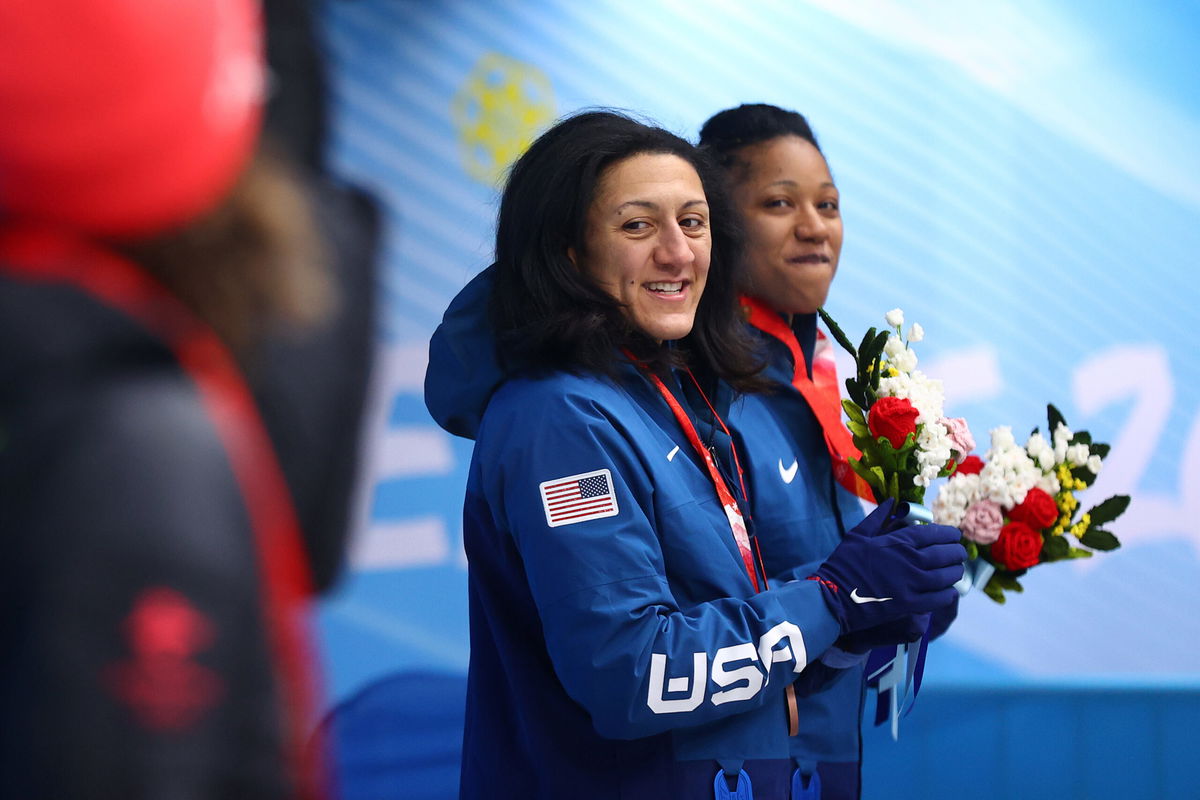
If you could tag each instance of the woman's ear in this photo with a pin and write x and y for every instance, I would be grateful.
(571, 256)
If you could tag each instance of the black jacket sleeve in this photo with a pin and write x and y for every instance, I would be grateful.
(134, 662)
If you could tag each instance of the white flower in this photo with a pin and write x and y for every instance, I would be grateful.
(953, 499)
(895, 317)
(1002, 438)
(926, 395)
(916, 333)
(1049, 484)
(1009, 473)
(1078, 454)
(1093, 464)
(905, 360)
(1062, 437)
(933, 452)
(894, 346)
(1040, 451)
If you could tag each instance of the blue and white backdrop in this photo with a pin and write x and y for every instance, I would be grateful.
(1022, 177)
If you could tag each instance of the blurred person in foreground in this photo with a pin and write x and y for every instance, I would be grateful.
(155, 579)
(789, 207)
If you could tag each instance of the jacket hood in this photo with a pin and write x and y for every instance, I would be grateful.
(464, 367)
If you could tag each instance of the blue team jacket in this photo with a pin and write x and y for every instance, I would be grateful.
(625, 653)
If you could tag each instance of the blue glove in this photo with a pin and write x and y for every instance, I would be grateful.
(884, 569)
(941, 618)
(905, 630)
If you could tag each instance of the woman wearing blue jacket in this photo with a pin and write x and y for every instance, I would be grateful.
(789, 206)
(624, 639)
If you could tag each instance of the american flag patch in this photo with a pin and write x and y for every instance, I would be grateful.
(578, 498)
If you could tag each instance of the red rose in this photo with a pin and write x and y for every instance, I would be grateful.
(971, 465)
(893, 417)
(1018, 547)
(1037, 510)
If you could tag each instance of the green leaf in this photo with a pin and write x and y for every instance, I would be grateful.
(993, 590)
(864, 444)
(854, 412)
(1100, 449)
(839, 335)
(877, 356)
(1003, 579)
(1055, 548)
(1084, 474)
(851, 389)
(972, 549)
(1109, 510)
(1054, 417)
(880, 478)
(863, 352)
(866, 473)
(865, 360)
(1079, 552)
(1081, 437)
(857, 428)
(1099, 540)
(894, 485)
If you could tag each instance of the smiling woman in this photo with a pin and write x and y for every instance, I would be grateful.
(606, 235)
(648, 242)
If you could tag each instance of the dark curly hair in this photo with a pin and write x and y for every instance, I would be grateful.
(548, 314)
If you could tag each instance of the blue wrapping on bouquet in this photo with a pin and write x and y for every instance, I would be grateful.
(895, 671)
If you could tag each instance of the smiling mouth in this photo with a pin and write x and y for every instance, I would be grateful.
(666, 288)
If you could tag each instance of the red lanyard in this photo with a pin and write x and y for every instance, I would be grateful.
(732, 512)
(823, 399)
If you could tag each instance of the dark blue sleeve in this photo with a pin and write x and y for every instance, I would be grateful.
(140, 666)
(635, 658)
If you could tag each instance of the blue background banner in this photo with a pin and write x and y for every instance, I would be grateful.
(1022, 178)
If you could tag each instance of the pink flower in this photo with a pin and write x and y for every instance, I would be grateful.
(961, 440)
(982, 522)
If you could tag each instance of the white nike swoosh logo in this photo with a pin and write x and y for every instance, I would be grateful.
(671, 455)
(788, 473)
(858, 598)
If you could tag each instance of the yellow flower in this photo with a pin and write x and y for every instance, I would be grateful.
(1080, 528)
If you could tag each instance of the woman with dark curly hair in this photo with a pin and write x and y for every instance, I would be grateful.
(624, 640)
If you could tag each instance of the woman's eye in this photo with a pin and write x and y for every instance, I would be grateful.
(829, 205)
(778, 202)
(693, 223)
(636, 225)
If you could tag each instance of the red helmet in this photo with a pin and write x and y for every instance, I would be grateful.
(125, 118)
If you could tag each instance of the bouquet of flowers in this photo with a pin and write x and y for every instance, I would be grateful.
(1019, 509)
(895, 414)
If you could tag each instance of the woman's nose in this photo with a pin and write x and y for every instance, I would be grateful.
(810, 226)
(673, 247)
